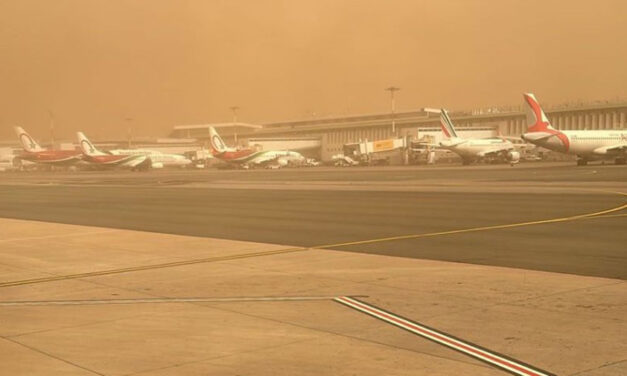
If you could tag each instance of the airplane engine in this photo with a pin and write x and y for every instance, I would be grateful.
(282, 162)
(157, 165)
(145, 165)
(513, 157)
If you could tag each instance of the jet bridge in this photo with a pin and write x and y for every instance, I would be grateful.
(380, 152)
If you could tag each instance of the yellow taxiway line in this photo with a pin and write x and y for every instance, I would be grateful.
(148, 267)
(483, 228)
(597, 214)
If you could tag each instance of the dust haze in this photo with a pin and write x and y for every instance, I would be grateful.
(105, 66)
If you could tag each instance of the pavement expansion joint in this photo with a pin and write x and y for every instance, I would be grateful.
(169, 300)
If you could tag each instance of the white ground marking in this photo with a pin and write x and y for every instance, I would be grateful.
(500, 361)
(162, 300)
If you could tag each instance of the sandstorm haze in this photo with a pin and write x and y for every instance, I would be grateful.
(160, 63)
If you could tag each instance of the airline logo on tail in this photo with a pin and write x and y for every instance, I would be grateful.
(27, 141)
(538, 123)
(86, 146)
(447, 125)
(536, 119)
(217, 144)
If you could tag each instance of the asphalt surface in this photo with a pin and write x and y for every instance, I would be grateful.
(313, 218)
(530, 172)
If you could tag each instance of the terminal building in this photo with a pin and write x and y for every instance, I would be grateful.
(323, 138)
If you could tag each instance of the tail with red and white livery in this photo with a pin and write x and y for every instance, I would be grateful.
(217, 144)
(86, 146)
(28, 143)
(539, 129)
(537, 121)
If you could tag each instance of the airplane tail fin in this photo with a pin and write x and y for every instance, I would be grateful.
(28, 143)
(86, 146)
(447, 125)
(536, 119)
(217, 144)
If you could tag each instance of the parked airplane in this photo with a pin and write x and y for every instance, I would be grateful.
(587, 145)
(474, 149)
(33, 152)
(157, 158)
(250, 157)
(99, 158)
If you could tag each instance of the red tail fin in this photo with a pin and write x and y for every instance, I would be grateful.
(536, 119)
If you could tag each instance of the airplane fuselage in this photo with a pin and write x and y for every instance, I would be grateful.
(52, 157)
(474, 148)
(237, 156)
(251, 157)
(588, 144)
(158, 159)
(110, 160)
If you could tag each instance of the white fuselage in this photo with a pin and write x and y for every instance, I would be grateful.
(474, 148)
(282, 157)
(157, 158)
(590, 144)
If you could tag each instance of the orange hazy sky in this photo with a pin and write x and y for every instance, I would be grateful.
(96, 63)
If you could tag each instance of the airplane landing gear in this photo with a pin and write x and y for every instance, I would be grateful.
(620, 161)
(582, 162)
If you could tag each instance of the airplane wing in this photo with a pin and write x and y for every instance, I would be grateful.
(511, 138)
(494, 152)
(136, 160)
(518, 143)
(265, 158)
(451, 143)
(457, 142)
(538, 136)
(612, 149)
(525, 145)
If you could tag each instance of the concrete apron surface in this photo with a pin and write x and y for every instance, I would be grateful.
(86, 300)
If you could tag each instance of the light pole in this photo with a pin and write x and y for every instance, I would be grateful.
(129, 132)
(392, 90)
(51, 115)
(234, 111)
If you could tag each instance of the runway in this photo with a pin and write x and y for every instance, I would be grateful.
(318, 208)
